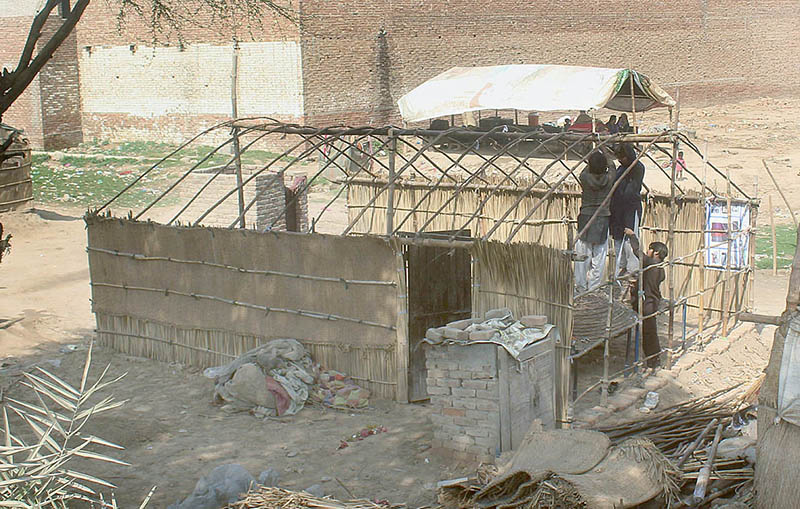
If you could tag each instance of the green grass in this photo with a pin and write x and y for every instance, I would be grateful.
(93, 173)
(785, 237)
(91, 185)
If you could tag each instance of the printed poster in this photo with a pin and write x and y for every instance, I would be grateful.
(717, 234)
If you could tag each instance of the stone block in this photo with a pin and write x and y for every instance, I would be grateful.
(485, 441)
(482, 335)
(483, 375)
(496, 314)
(453, 333)
(447, 382)
(482, 415)
(477, 432)
(454, 412)
(438, 391)
(438, 373)
(441, 401)
(460, 392)
(436, 335)
(487, 394)
(445, 364)
(461, 324)
(487, 404)
(534, 321)
(465, 422)
(466, 403)
(474, 384)
(461, 374)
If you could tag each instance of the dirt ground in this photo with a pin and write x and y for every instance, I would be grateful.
(172, 433)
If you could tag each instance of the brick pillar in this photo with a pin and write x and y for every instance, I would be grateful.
(271, 201)
(464, 393)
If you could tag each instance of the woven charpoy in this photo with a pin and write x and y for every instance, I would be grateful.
(591, 314)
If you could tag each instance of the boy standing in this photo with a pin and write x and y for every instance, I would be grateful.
(652, 277)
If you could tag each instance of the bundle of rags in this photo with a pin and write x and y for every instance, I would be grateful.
(337, 390)
(273, 379)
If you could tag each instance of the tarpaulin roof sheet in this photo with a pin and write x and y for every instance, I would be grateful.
(532, 88)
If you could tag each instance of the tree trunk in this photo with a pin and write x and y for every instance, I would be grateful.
(777, 481)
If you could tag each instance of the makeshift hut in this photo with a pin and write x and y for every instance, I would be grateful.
(427, 226)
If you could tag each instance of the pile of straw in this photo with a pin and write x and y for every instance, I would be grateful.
(277, 498)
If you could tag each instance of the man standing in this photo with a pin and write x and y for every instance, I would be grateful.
(596, 182)
(652, 277)
(626, 208)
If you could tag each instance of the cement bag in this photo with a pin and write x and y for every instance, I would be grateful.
(789, 380)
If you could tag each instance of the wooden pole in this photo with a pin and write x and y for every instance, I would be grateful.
(392, 177)
(699, 440)
(702, 304)
(671, 247)
(725, 285)
(402, 325)
(751, 248)
(604, 397)
(236, 147)
(774, 241)
(769, 172)
(705, 472)
(633, 100)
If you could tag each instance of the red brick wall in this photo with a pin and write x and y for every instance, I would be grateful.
(25, 113)
(49, 109)
(59, 86)
(352, 75)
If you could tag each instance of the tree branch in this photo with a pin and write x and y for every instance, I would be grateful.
(23, 76)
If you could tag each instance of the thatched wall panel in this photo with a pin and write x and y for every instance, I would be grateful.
(527, 278)
(213, 322)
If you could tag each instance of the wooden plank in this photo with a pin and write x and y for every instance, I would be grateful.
(401, 394)
(504, 382)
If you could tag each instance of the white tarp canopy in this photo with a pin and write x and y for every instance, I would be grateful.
(532, 88)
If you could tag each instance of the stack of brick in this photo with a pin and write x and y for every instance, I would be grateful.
(484, 398)
(463, 389)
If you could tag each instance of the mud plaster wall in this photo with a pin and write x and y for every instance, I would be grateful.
(128, 317)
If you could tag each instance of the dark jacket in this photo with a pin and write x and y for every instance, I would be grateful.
(596, 187)
(651, 280)
(627, 200)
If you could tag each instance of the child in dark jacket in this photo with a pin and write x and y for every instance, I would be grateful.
(652, 277)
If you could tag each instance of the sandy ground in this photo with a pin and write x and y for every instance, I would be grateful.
(173, 435)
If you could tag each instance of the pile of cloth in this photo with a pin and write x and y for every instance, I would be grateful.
(277, 378)
(337, 390)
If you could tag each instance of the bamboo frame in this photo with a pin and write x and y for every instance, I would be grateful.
(503, 194)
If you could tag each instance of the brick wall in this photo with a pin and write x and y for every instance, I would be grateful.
(468, 386)
(59, 86)
(135, 90)
(463, 388)
(353, 59)
(359, 58)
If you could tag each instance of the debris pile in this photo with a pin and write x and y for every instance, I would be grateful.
(692, 454)
(277, 378)
(572, 469)
(270, 498)
(497, 326)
